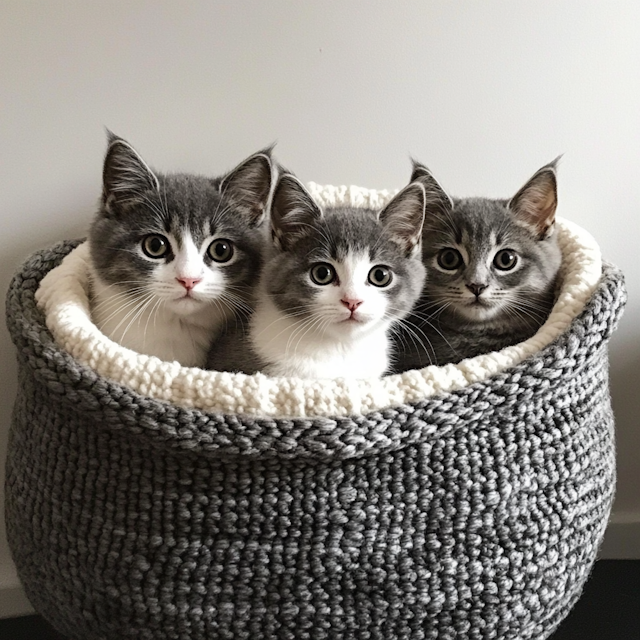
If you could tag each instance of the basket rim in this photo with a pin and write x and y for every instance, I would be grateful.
(64, 294)
(161, 423)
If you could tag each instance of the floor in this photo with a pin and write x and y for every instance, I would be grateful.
(608, 610)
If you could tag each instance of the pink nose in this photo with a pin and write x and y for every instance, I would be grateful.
(351, 303)
(189, 283)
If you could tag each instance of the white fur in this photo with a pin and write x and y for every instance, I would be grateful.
(130, 175)
(162, 318)
(330, 342)
(63, 297)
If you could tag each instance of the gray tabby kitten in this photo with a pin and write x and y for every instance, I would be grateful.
(336, 282)
(492, 272)
(174, 256)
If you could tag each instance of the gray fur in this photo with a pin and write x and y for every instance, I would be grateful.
(138, 201)
(440, 330)
(303, 234)
(232, 351)
(471, 515)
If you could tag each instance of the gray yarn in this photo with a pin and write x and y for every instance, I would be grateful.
(471, 515)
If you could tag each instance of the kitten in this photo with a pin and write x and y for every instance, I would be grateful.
(336, 283)
(492, 271)
(174, 255)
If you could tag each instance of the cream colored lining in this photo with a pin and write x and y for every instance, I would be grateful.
(64, 297)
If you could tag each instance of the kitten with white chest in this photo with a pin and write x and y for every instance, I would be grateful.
(174, 255)
(336, 283)
(492, 266)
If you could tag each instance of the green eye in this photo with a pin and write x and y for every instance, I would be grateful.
(380, 276)
(505, 260)
(322, 273)
(450, 259)
(155, 246)
(220, 250)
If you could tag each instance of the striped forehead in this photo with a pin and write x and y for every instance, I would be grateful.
(354, 260)
(189, 236)
(189, 206)
(477, 236)
(481, 224)
(349, 233)
(187, 239)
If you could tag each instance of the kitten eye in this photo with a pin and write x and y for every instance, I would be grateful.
(380, 276)
(450, 259)
(323, 273)
(220, 250)
(505, 260)
(155, 246)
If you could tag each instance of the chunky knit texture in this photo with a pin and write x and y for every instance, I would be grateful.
(475, 514)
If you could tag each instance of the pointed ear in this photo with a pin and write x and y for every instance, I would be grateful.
(125, 175)
(403, 216)
(250, 184)
(293, 211)
(437, 199)
(534, 206)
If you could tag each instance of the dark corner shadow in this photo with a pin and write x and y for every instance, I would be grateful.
(625, 396)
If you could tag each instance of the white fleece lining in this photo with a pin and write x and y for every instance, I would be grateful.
(64, 292)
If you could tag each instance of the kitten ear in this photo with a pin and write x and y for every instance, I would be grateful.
(403, 216)
(535, 204)
(293, 210)
(437, 199)
(125, 175)
(250, 184)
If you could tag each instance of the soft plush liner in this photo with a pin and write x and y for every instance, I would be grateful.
(64, 298)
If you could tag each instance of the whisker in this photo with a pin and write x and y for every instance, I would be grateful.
(136, 316)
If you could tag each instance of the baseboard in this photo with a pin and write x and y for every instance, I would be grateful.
(622, 538)
(14, 603)
(621, 542)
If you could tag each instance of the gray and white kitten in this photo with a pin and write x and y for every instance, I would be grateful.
(492, 271)
(336, 282)
(174, 256)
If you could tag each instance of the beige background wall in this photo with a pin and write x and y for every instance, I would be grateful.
(482, 92)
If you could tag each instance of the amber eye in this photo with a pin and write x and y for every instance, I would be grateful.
(322, 273)
(155, 246)
(380, 276)
(505, 260)
(450, 259)
(220, 250)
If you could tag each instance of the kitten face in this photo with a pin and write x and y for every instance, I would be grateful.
(180, 249)
(179, 242)
(344, 272)
(484, 265)
(491, 261)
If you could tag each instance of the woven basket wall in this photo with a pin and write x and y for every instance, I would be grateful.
(474, 514)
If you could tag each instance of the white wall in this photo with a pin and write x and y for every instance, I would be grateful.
(482, 92)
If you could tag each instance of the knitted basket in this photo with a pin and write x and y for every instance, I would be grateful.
(475, 511)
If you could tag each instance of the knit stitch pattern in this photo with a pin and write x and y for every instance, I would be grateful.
(474, 514)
